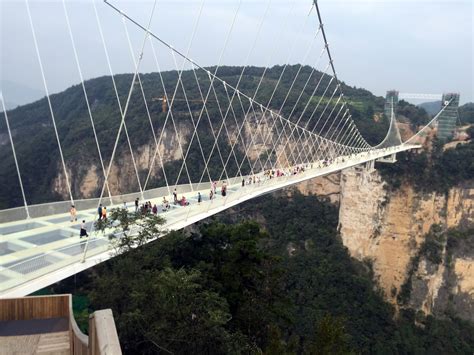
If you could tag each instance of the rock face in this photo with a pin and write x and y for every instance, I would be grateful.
(325, 186)
(388, 229)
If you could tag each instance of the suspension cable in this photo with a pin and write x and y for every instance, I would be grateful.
(114, 84)
(122, 121)
(14, 156)
(33, 31)
(85, 93)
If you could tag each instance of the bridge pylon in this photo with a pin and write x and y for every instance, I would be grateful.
(448, 118)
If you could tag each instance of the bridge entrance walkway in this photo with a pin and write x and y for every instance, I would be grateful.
(33, 248)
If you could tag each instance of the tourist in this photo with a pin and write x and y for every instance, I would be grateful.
(73, 213)
(136, 205)
(183, 201)
(199, 198)
(99, 211)
(104, 213)
(243, 182)
(175, 196)
(211, 194)
(83, 232)
(165, 204)
(154, 209)
(224, 189)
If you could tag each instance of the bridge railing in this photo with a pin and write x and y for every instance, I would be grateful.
(61, 207)
(52, 260)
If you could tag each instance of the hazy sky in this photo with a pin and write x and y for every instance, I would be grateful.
(413, 46)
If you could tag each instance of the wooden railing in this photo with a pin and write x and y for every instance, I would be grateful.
(102, 339)
(35, 307)
(79, 341)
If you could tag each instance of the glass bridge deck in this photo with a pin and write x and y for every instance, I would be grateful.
(42, 250)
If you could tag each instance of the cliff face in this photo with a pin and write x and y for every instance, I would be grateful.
(258, 131)
(389, 229)
(325, 186)
(88, 178)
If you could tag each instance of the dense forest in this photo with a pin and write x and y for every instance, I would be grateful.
(270, 276)
(38, 152)
(466, 113)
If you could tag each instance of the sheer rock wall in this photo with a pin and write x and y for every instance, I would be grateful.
(388, 228)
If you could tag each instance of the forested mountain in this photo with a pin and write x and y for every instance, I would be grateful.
(431, 107)
(466, 113)
(38, 152)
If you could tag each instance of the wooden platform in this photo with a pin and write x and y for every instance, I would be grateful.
(57, 343)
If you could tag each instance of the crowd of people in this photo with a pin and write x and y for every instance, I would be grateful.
(148, 207)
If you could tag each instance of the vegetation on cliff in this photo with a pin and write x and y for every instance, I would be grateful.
(416, 116)
(436, 170)
(440, 248)
(466, 113)
(284, 286)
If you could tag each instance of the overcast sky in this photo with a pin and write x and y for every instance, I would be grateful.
(412, 46)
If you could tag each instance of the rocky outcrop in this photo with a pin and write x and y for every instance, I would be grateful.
(325, 186)
(87, 178)
(389, 228)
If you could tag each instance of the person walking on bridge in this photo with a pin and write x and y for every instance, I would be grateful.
(73, 213)
(175, 196)
(224, 189)
(136, 205)
(99, 211)
(83, 232)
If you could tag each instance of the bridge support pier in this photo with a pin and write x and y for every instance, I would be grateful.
(391, 159)
(370, 166)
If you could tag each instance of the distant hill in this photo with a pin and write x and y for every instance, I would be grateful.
(466, 113)
(16, 94)
(432, 107)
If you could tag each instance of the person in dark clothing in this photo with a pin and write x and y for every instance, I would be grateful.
(83, 232)
(243, 182)
(175, 196)
(199, 197)
(99, 211)
(136, 205)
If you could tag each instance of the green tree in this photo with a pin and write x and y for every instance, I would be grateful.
(129, 230)
(330, 338)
